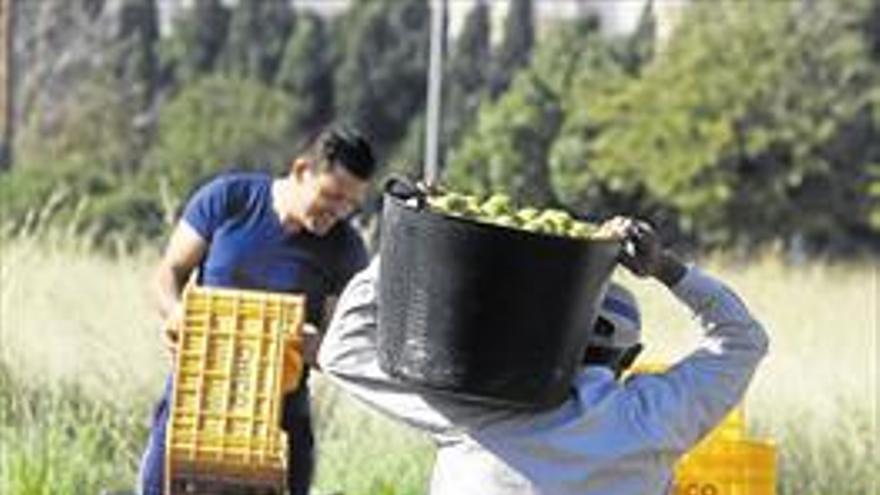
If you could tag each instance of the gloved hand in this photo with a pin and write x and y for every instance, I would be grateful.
(292, 362)
(643, 253)
(300, 349)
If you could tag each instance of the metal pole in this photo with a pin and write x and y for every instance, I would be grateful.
(435, 86)
(7, 22)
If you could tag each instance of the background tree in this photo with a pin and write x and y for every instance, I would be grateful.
(218, 123)
(639, 48)
(468, 74)
(510, 146)
(583, 66)
(757, 125)
(198, 38)
(82, 174)
(258, 33)
(381, 81)
(872, 33)
(306, 73)
(508, 151)
(740, 129)
(136, 63)
(515, 50)
(56, 46)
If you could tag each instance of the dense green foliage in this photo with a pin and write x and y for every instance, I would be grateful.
(516, 48)
(753, 126)
(219, 123)
(200, 34)
(258, 32)
(306, 73)
(755, 123)
(467, 74)
(508, 150)
(381, 80)
(136, 61)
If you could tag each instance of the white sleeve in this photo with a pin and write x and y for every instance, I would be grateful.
(677, 408)
(349, 357)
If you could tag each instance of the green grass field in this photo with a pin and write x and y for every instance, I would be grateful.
(81, 363)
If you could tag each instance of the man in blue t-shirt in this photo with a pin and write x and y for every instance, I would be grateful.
(290, 234)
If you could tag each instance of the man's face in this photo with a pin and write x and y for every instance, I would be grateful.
(329, 196)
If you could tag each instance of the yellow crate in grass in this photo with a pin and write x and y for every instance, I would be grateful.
(236, 354)
(721, 467)
(726, 462)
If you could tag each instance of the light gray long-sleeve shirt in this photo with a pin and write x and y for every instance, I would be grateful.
(608, 438)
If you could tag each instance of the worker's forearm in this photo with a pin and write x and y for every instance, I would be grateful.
(168, 286)
(670, 270)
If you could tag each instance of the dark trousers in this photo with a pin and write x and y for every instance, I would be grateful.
(296, 420)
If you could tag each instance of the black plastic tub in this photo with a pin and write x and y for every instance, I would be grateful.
(485, 312)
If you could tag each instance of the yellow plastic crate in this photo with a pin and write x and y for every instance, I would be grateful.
(731, 429)
(726, 462)
(236, 354)
(720, 467)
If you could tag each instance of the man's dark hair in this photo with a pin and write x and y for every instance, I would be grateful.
(345, 146)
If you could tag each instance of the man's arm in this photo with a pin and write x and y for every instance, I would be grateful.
(185, 250)
(677, 408)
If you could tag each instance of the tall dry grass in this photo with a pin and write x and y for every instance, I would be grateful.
(80, 364)
(816, 394)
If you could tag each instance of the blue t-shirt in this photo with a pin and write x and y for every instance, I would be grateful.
(249, 248)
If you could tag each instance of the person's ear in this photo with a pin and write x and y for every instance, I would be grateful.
(629, 356)
(300, 168)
